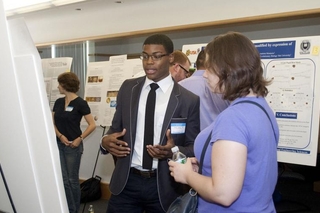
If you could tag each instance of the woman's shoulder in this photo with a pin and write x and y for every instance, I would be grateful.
(250, 100)
(81, 100)
(60, 100)
(234, 113)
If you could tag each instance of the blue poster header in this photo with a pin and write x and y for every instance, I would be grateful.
(288, 115)
(280, 49)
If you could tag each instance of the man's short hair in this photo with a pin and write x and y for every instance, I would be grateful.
(179, 58)
(160, 39)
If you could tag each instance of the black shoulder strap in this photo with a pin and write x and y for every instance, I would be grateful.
(263, 109)
(204, 152)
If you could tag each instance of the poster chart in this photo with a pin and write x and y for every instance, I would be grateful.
(192, 52)
(293, 66)
(103, 82)
(52, 68)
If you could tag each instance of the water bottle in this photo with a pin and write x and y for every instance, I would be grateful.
(178, 156)
(91, 210)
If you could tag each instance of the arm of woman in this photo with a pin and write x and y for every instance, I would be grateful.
(91, 125)
(228, 164)
(62, 138)
(55, 128)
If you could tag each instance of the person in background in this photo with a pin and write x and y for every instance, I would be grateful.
(179, 65)
(134, 187)
(67, 114)
(240, 166)
(211, 103)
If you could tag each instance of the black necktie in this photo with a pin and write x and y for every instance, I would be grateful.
(149, 125)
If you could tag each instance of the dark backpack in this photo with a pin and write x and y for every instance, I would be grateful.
(90, 189)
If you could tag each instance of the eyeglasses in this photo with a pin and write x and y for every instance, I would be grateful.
(156, 57)
(186, 72)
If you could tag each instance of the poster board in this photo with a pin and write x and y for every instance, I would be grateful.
(103, 82)
(293, 64)
(192, 51)
(52, 68)
(29, 156)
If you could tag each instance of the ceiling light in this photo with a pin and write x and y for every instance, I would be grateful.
(64, 2)
(12, 4)
(13, 7)
(32, 8)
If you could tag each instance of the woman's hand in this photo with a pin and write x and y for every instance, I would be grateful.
(180, 171)
(64, 140)
(75, 143)
(195, 164)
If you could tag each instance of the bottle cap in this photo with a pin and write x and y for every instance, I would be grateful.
(175, 149)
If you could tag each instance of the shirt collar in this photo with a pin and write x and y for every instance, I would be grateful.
(164, 84)
(198, 73)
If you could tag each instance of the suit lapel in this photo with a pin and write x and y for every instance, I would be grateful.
(134, 105)
(171, 109)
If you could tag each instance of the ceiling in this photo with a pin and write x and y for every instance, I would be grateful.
(15, 7)
(81, 20)
(100, 19)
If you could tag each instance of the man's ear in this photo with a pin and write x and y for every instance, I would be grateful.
(176, 68)
(171, 58)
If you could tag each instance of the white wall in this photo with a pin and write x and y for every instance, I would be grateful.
(106, 18)
(255, 31)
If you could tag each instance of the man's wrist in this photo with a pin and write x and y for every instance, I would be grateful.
(102, 147)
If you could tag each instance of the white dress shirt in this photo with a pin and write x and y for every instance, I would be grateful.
(162, 98)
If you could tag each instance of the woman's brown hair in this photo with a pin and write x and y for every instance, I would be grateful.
(69, 81)
(236, 61)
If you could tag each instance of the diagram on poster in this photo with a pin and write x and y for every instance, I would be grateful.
(290, 95)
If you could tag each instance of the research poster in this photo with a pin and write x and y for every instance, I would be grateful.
(293, 66)
(192, 52)
(103, 83)
(52, 68)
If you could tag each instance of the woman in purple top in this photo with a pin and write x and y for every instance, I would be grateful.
(239, 172)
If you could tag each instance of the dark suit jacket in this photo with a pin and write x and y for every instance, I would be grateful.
(183, 106)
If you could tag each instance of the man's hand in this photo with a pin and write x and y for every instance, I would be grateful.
(114, 146)
(162, 152)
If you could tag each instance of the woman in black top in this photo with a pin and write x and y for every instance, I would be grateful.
(67, 114)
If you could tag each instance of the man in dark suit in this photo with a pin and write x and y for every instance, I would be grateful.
(176, 123)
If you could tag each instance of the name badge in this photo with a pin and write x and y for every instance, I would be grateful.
(178, 128)
(69, 108)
